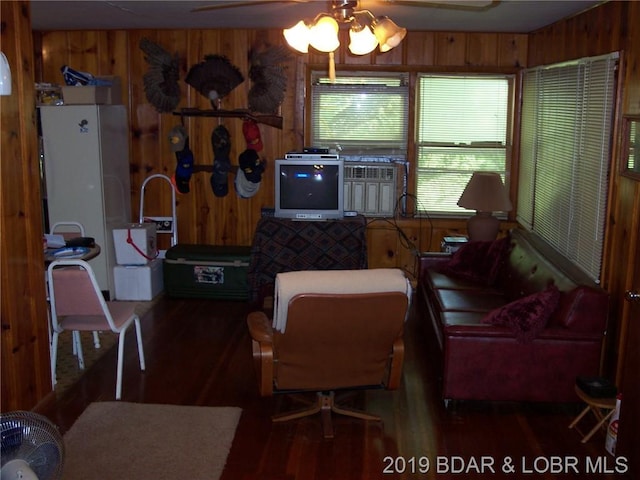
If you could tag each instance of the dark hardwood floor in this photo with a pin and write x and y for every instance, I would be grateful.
(198, 352)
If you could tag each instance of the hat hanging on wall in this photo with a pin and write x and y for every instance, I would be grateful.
(249, 174)
(251, 132)
(161, 80)
(214, 78)
(268, 77)
(179, 141)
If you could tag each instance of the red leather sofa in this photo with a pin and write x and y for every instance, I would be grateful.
(514, 320)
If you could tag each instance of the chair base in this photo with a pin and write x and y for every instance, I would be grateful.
(325, 405)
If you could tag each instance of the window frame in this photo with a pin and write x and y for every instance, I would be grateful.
(394, 148)
(512, 84)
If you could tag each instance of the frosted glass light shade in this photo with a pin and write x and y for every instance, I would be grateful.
(363, 41)
(298, 36)
(324, 34)
(5, 75)
(389, 34)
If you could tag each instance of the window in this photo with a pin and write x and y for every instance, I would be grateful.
(360, 113)
(462, 125)
(567, 116)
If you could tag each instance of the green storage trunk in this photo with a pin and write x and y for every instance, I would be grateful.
(207, 271)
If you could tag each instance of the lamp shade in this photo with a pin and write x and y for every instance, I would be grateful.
(324, 34)
(363, 40)
(298, 36)
(485, 192)
(5, 75)
(389, 34)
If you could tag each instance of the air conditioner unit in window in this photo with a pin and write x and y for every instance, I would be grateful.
(370, 188)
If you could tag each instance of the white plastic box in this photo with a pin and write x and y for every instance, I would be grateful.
(138, 282)
(142, 248)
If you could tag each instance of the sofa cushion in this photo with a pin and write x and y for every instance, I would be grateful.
(526, 316)
(478, 261)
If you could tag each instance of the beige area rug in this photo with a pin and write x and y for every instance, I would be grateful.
(121, 440)
(67, 369)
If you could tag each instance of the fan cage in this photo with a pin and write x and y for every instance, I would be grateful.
(31, 437)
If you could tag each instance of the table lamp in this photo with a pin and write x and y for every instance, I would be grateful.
(485, 193)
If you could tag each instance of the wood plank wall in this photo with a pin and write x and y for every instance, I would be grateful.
(25, 342)
(230, 220)
(204, 218)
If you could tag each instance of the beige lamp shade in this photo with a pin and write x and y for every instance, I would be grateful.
(389, 34)
(484, 193)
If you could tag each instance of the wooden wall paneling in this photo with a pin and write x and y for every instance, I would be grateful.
(632, 60)
(54, 54)
(24, 351)
(512, 50)
(450, 48)
(83, 54)
(420, 48)
(115, 60)
(392, 57)
(382, 244)
(481, 49)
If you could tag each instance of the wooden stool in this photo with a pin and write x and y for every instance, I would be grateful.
(602, 408)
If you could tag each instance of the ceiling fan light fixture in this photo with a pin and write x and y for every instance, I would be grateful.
(389, 34)
(298, 36)
(362, 39)
(324, 34)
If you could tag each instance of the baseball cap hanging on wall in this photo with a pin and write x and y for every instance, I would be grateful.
(179, 141)
(161, 80)
(221, 143)
(249, 175)
(214, 78)
(251, 133)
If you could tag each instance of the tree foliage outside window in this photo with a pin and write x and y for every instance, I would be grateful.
(360, 113)
(462, 126)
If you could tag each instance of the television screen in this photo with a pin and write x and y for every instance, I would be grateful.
(309, 190)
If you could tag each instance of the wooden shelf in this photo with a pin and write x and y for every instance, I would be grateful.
(271, 120)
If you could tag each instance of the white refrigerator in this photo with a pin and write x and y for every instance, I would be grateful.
(86, 175)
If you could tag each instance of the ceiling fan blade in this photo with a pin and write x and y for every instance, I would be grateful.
(451, 4)
(247, 3)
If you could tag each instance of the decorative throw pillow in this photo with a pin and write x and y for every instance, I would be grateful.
(478, 261)
(526, 316)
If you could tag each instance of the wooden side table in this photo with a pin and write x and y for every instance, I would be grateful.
(602, 409)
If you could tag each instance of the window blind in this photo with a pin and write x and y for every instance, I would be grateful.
(462, 125)
(360, 112)
(564, 163)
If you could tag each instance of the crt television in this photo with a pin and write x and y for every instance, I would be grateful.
(309, 188)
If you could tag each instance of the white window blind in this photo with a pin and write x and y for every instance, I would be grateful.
(564, 161)
(462, 127)
(359, 113)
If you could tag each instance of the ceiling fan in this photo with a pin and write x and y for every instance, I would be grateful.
(355, 4)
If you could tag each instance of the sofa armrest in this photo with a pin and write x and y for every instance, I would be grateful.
(583, 309)
(430, 260)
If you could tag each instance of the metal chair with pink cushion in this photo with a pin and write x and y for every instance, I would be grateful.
(77, 304)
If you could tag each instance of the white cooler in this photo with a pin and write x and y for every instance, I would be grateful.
(138, 282)
(135, 243)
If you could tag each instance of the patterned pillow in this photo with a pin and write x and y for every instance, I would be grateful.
(526, 316)
(478, 261)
